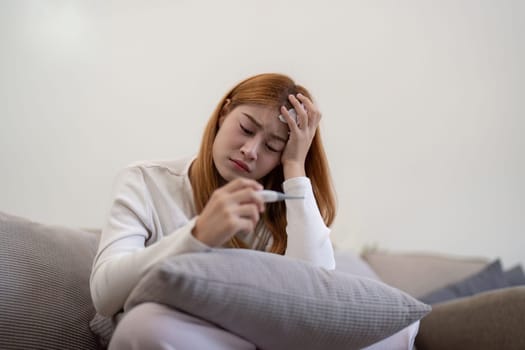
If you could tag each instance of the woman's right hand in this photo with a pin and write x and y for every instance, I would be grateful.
(232, 209)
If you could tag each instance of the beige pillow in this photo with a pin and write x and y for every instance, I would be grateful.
(421, 273)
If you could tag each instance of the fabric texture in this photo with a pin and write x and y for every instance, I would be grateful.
(349, 262)
(491, 320)
(104, 327)
(277, 302)
(44, 290)
(491, 277)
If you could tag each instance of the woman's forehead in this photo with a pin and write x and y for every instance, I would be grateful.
(260, 108)
(264, 116)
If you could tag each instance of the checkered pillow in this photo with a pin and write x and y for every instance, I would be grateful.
(277, 302)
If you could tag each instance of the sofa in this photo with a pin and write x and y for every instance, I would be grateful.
(45, 301)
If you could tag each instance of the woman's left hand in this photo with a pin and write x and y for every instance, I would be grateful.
(301, 134)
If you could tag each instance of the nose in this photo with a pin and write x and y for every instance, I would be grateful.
(250, 148)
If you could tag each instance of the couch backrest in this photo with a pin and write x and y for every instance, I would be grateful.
(420, 273)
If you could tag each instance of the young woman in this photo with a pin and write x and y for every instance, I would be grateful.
(263, 134)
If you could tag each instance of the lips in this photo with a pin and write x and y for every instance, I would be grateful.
(240, 164)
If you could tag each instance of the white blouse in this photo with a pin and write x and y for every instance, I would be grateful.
(153, 214)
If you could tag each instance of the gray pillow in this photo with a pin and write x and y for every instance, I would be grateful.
(491, 277)
(277, 302)
(44, 286)
(515, 276)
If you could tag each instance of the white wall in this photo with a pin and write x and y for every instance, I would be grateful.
(423, 105)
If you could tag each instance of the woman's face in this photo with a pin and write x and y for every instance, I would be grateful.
(249, 142)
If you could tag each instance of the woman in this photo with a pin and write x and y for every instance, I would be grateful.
(263, 135)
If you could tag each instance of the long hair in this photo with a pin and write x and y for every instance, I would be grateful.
(269, 90)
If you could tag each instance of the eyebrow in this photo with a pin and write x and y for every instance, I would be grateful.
(259, 125)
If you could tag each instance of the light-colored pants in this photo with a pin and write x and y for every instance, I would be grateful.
(154, 326)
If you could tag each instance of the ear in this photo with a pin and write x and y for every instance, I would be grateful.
(226, 107)
(224, 111)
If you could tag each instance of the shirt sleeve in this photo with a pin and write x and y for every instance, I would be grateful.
(308, 236)
(123, 257)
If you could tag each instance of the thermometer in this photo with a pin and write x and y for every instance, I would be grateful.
(274, 196)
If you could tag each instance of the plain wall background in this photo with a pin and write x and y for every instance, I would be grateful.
(423, 106)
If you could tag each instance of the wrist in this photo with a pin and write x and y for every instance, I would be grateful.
(195, 232)
(293, 169)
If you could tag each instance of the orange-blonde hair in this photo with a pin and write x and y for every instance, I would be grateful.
(269, 90)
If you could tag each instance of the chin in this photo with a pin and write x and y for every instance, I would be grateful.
(227, 175)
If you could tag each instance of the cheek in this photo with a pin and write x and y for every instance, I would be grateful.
(223, 137)
(220, 145)
(230, 134)
(271, 161)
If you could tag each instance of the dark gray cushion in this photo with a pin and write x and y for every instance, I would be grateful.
(277, 302)
(44, 286)
(491, 277)
(515, 276)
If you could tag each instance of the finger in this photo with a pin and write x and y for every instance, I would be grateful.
(292, 124)
(249, 196)
(312, 111)
(250, 212)
(245, 226)
(246, 219)
(296, 104)
(307, 103)
(302, 118)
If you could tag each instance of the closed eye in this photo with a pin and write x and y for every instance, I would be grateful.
(274, 147)
(245, 130)
(271, 149)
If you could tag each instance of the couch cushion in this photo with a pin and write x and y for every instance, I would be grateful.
(277, 302)
(515, 276)
(421, 273)
(349, 262)
(491, 321)
(44, 286)
(490, 277)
